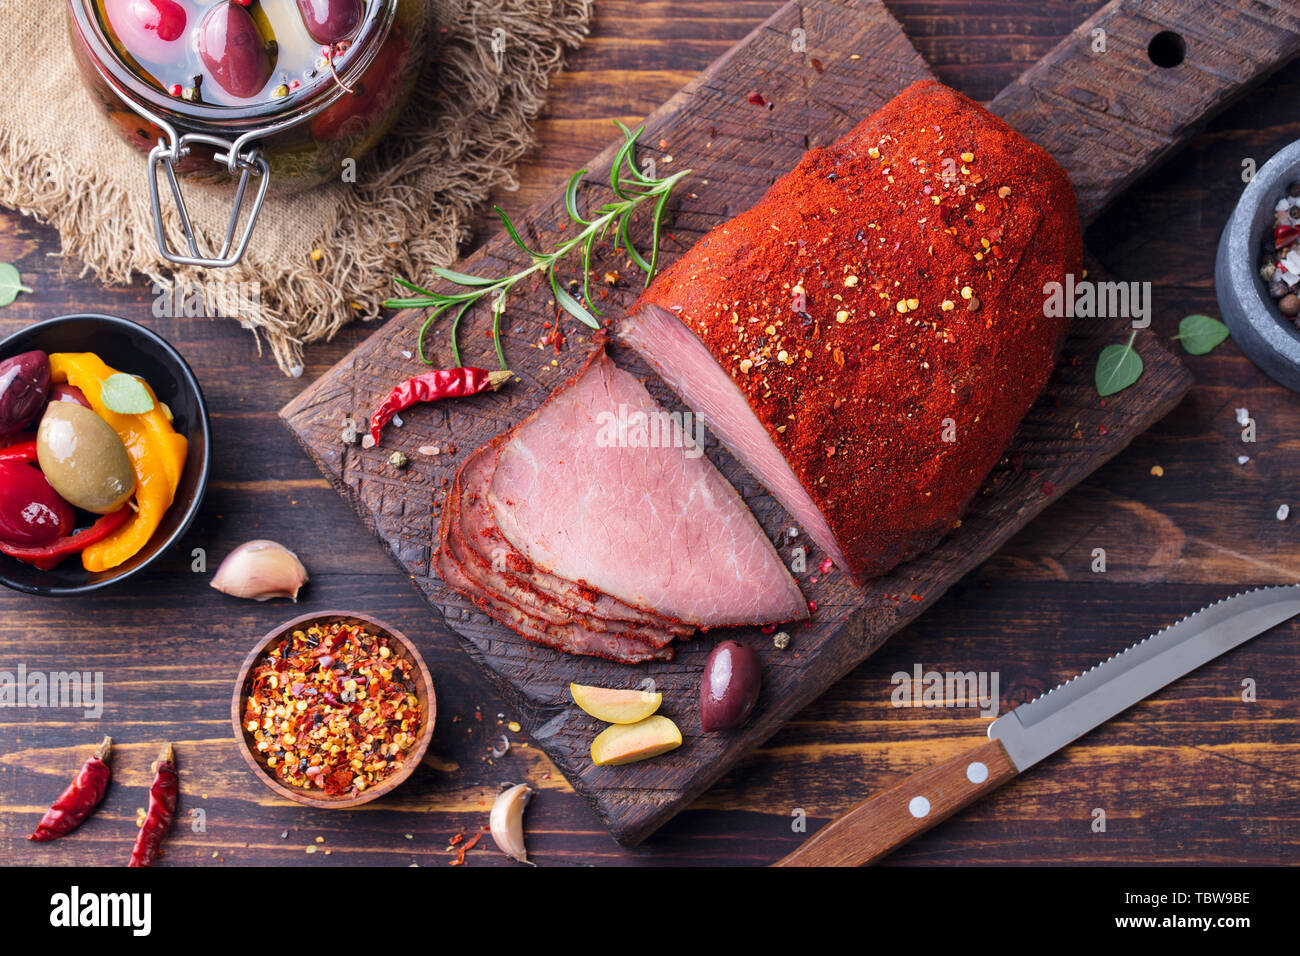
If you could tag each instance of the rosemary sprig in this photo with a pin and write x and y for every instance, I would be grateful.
(632, 189)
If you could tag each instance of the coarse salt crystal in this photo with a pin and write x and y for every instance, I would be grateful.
(397, 420)
(1243, 416)
(406, 353)
(1283, 511)
(1242, 459)
(793, 533)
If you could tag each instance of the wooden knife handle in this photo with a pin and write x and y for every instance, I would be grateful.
(1108, 113)
(880, 824)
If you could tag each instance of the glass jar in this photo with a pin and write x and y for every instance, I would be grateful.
(321, 107)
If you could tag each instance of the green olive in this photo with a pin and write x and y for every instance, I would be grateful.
(83, 459)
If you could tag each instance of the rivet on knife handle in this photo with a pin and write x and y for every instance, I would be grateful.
(884, 822)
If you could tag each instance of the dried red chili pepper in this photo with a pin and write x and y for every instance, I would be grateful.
(81, 798)
(432, 387)
(162, 810)
(50, 556)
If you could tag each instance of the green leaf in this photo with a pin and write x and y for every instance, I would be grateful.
(455, 333)
(514, 233)
(586, 274)
(571, 197)
(498, 310)
(462, 278)
(654, 231)
(571, 305)
(1200, 334)
(126, 395)
(11, 284)
(1118, 367)
(625, 240)
(412, 286)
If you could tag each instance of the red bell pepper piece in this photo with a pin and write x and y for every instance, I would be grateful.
(23, 451)
(52, 555)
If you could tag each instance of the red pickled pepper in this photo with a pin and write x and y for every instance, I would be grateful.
(79, 800)
(434, 386)
(158, 819)
(50, 556)
(23, 452)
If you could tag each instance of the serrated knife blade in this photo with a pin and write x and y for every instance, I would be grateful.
(1025, 735)
(1043, 726)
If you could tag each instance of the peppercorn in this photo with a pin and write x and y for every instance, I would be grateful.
(1293, 190)
(1290, 305)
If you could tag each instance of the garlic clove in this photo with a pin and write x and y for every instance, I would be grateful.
(261, 570)
(507, 821)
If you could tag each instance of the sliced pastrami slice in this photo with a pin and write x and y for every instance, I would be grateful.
(572, 638)
(468, 529)
(602, 487)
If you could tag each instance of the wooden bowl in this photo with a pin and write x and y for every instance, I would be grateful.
(402, 649)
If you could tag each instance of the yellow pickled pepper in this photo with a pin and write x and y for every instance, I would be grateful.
(157, 454)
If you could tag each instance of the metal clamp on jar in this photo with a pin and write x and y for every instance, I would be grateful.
(283, 90)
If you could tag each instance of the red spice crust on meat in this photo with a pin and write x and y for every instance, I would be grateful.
(889, 283)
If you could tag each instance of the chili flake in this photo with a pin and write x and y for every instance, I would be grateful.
(332, 709)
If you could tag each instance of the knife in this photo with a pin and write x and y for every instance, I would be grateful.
(1024, 736)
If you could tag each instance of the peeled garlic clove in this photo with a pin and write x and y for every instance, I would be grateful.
(507, 821)
(260, 570)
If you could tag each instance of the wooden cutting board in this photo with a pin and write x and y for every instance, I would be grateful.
(819, 67)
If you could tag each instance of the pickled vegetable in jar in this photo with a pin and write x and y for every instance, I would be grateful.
(230, 52)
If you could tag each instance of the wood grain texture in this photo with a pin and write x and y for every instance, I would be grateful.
(1107, 112)
(736, 147)
(1194, 775)
(883, 822)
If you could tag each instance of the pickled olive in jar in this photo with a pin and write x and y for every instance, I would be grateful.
(329, 21)
(31, 512)
(83, 458)
(729, 686)
(24, 384)
(233, 51)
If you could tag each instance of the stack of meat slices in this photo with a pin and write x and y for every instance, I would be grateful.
(589, 529)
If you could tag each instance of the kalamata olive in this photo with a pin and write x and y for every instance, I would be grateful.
(329, 21)
(31, 512)
(147, 28)
(233, 51)
(68, 393)
(730, 685)
(83, 458)
(24, 384)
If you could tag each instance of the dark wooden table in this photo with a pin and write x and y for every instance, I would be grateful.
(1196, 774)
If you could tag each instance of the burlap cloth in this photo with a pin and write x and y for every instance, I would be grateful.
(466, 127)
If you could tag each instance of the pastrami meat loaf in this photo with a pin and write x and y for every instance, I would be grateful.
(868, 337)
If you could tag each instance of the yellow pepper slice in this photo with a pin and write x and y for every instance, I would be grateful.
(157, 454)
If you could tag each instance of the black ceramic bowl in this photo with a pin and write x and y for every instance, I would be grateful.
(131, 348)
